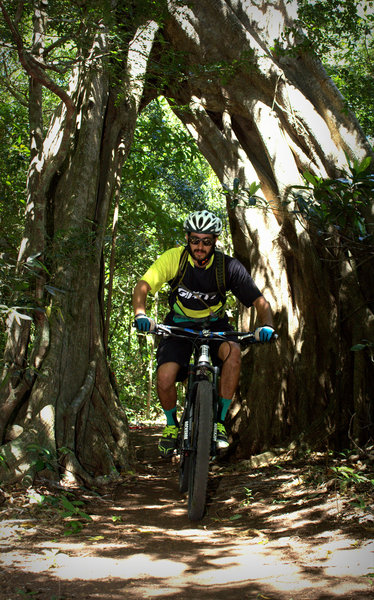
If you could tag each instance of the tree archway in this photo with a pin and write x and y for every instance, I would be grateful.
(257, 115)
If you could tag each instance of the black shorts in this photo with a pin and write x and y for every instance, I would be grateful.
(180, 350)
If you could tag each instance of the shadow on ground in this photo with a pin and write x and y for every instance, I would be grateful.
(266, 535)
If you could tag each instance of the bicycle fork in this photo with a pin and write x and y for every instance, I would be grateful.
(199, 371)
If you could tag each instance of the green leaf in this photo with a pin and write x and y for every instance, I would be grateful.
(67, 504)
(39, 465)
(73, 527)
(253, 188)
(65, 450)
(84, 515)
(363, 165)
(310, 178)
(358, 347)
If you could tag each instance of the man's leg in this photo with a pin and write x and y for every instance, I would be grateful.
(167, 393)
(229, 353)
(166, 388)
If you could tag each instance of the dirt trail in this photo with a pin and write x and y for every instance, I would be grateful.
(266, 536)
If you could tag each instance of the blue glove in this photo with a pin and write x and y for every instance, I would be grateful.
(144, 323)
(264, 334)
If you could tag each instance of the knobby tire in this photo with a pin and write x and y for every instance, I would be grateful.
(199, 459)
(184, 473)
(184, 465)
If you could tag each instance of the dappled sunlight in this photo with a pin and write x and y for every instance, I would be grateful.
(218, 562)
(266, 534)
(98, 567)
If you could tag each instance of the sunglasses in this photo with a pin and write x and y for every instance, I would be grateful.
(195, 241)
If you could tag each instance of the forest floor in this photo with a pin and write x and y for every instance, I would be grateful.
(285, 529)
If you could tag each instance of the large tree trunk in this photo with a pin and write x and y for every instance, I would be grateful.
(57, 398)
(266, 118)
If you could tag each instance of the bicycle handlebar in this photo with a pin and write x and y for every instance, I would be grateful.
(235, 336)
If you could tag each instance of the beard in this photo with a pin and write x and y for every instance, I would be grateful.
(202, 255)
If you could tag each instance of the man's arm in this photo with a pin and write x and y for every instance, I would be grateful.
(139, 297)
(263, 310)
(139, 300)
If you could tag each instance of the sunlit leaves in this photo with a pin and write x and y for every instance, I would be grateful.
(341, 32)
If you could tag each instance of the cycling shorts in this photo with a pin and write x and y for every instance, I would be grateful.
(180, 350)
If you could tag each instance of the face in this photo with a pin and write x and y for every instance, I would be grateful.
(199, 249)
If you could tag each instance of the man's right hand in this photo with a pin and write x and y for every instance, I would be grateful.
(144, 323)
(265, 333)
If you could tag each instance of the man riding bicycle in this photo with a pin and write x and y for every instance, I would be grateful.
(199, 276)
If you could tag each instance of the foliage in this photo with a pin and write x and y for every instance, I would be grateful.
(339, 21)
(163, 179)
(43, 458)
(341, 34)
(339, 210)
(224, 71)
(68, 510)
(339, 206)
(349, 476)
(363, 345)
(243, 196)
(349, 472)
(249, 497)
(14, 154)
(16, 287)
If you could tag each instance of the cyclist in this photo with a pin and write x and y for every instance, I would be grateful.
(197, 300)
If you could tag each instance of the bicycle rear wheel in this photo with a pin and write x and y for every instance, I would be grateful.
(199, 458)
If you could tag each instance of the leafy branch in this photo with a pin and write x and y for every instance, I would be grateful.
(245, 196)
(338, 205)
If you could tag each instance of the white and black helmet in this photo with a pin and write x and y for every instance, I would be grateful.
(203, 221)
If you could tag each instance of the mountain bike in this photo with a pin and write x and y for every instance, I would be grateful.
(197, 444)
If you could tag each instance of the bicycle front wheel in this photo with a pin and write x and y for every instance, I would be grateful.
(184, 471)
(199, 459)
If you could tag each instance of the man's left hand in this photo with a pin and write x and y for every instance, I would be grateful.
(264, 334)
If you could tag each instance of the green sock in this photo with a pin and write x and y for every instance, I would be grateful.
(171, 416)
(223, 407)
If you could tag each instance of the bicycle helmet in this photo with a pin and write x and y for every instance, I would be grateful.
(203, 221)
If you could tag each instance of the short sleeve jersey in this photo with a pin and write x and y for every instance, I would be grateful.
(197, 295)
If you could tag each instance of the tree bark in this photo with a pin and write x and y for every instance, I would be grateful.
(58, 395)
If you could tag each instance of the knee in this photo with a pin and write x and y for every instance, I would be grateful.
(165, 378)
(231, 356)
(236, 355)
